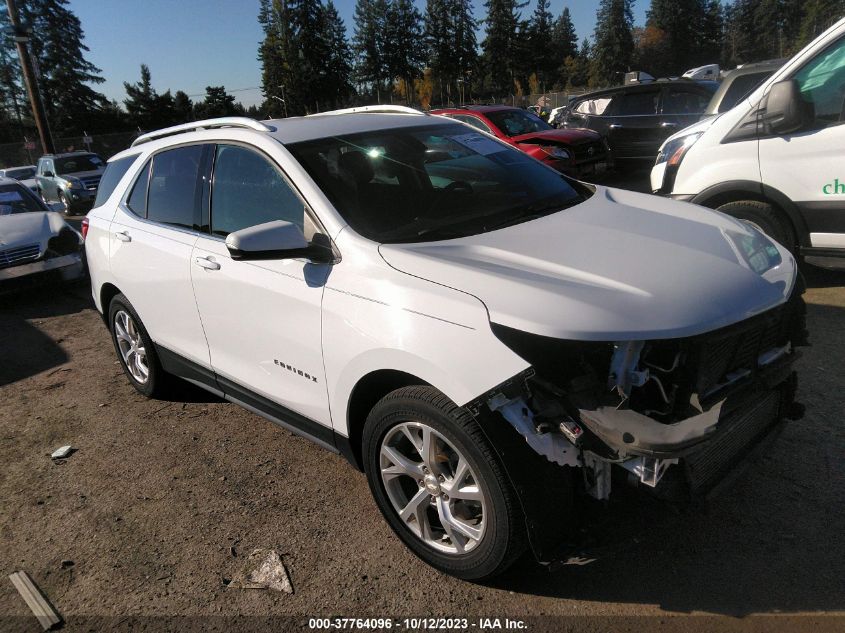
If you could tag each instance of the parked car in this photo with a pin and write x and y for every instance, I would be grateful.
(35, 243)
(740, 82)
(24, 174)
(578, 153)
(482, 336)
(775, 158)
(636, 119)
(70, 179)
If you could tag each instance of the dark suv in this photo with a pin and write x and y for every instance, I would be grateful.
(70, 179)
(636, 119)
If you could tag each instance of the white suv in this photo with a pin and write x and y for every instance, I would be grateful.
(481, 335)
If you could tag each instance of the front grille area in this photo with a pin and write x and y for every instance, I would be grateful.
(91, 182)
(588, 151)
(737, 347)
(737, 432)
(19, 255)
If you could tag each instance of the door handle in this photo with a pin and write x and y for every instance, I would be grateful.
(668, 124)
(123, 236)
(615, 126)
(205, 262)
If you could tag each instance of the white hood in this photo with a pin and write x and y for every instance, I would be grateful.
(35, 227)
(620, 266)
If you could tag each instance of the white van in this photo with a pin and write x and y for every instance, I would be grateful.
(777, 159)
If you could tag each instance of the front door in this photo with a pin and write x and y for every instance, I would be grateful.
(262, 318)
(634, 129)
(807, 165)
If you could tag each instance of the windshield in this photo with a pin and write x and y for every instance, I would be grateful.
(20, 174)
(75, 164)
(16, 199)
(516, 122)
(433, 182)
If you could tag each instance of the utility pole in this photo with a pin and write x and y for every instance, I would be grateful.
(21, 41)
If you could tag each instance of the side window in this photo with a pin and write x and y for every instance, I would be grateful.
(592, 106)
(740, 87)
(137, 200)
(174, 187)
(822, 83)
(639, 103)
(476, 123)
(248, 190)
(684, 102)
(114, 172)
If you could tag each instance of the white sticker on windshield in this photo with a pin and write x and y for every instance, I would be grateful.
(10, 196)
(478, 143)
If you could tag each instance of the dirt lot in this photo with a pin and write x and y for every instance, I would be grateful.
(163, 500)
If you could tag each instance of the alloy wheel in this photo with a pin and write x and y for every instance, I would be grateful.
(131, 346)
(432, 488)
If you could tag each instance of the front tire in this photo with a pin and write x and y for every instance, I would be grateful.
(438, 483)
(765, 217)
(135, 349)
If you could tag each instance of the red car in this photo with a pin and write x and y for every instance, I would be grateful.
(576, 152)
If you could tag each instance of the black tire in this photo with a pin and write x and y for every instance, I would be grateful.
(764, 216)
(158, 381)
(504, 538)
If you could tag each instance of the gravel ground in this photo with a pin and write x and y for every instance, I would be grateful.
(163, 500)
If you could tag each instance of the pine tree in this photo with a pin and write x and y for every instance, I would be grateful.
(541, 46)
(501, 44)
(404, 44)
(614, 45)
(183, 107)
(64, 74)
(564, 37)
(368, 46)
(217, 103)
(818, 16)
(273, 53)
(338, 68)
(439, 42)
(465, 48)
(141, 100)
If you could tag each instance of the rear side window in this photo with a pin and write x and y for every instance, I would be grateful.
(137, 200)
(474, 122)
(115, 170)
(174, 187)
(248, 190)
(685, 102)
(635, 103)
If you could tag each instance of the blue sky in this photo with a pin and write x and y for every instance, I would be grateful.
(190, 44)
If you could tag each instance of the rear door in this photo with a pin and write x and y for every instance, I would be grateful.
(152, 237)
(634, 127)
(807, 165)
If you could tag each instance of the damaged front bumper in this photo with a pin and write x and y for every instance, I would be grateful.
(673, 416)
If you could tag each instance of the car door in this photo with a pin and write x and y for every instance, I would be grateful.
(634, 129)
(262, 318)
(807, 165)
(152, 237)
(46, 184)
(681, 106)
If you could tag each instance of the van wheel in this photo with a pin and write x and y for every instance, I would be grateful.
(440, 486)
(764, 217)
(135, 350)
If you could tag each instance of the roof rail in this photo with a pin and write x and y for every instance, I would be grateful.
(207, 124)
(396, 109)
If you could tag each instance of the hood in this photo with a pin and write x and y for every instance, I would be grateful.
(23, 229)
(574, 136)
(619, 266)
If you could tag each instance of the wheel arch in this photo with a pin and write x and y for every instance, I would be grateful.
(738, 190)
(365, 394)
(108, 291)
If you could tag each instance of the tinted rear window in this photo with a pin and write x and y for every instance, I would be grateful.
(115, 170)
(138, 198)
(635, 103)
(174, 187)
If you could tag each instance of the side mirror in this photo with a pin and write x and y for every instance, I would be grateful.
(277, 240)
(49, 174)
(785, 110)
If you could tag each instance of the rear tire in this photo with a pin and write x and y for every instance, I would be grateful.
(136, 350)
(476, 534)
(765, 217)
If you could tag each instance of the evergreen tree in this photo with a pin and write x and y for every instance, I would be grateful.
(541, 45)
(404, 45)
(465, 48)
(614, 44)
(501, 44)
(141, 101)
(183, 107)
(217, 103)
(368, 44)
(564, 37)
(439, 42)
(338, 67)
(274, 55)
(818, 16)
